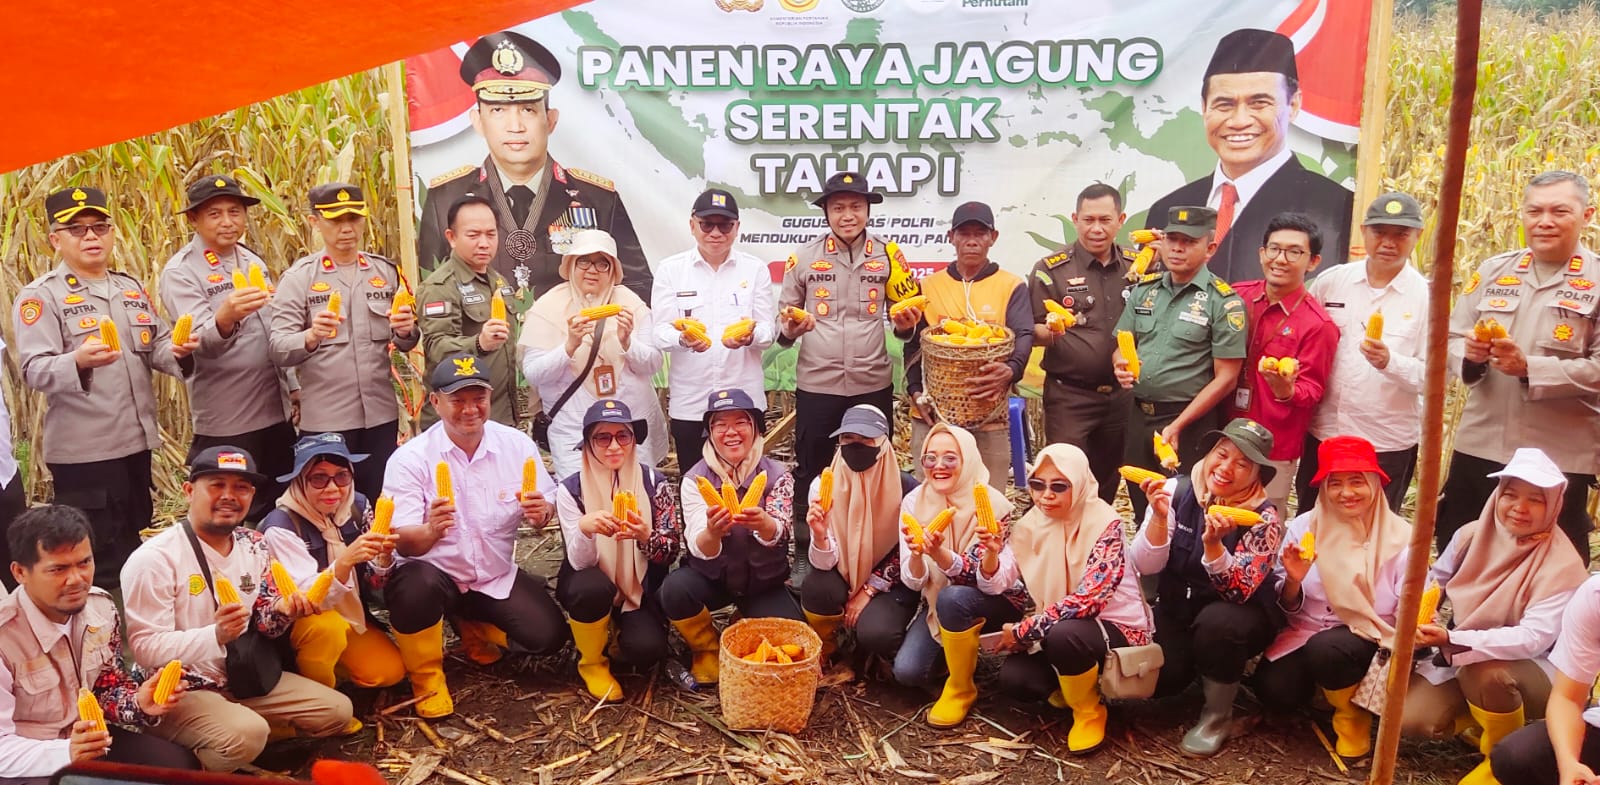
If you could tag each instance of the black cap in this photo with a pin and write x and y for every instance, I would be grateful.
(63, 205)
(716, 201)
(331, 200)
(732, 400)
(1252, 51)
(847, 183)
(1394, 209)
(970, 212)
(212, 186)
(311, 447)
(609, 410)
(1191, 221)
(1252, 438)
(459, 370)
(509, 67)
(225, 459)
(863, 419)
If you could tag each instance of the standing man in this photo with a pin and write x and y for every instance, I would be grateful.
(1540, 385)
(13, 496)
(972, 287)
(1189, 331)
(1083, 404)
(1286, 322)
(1249, 96)
(1376, 387)
(840, 280)
(717, 285)
(100, 405)
(234, 395)
(456, 299)
(539, 205)
(342, 359)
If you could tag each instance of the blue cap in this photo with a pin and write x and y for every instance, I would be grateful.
(732, 400)
(310, 447)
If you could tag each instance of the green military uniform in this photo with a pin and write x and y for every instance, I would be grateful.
(454, 304)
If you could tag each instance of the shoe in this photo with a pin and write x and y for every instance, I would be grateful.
(482, 642)
(1352, 725)
(1216, 720)
(423, 654)
(961, 654)
(1495, 726)
(352, 727)
(1089, 714)
(1480, 776)
(827, 628)
(701, 635)
(593, 667)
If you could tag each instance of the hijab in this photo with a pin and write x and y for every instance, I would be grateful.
(546, 327)
(1053, 553)
(623, 561)
(299, 498)
(741, 473)
(963, 531)
(1501, 574)
(1351, 552)
(865, 517)
(1249, 497)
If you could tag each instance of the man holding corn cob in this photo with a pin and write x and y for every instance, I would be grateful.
(1534, 381)
(89, 338)
(62, 678)
(236, 395)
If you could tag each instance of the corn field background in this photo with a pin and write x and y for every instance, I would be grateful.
(1538, 101)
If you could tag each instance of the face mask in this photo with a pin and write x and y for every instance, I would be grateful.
(859, 457)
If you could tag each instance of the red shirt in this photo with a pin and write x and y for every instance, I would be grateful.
(1293, 327)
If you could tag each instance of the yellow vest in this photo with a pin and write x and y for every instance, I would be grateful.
(948, 298)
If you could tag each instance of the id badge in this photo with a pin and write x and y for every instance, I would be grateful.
(605, 380)
(1241, 399)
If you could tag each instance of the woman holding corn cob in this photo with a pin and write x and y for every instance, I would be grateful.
(1508, 581)
(320, 532)
(559, 351)
(1211, 539)
(619, 520)
(1339, 582)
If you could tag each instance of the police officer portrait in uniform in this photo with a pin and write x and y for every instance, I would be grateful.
(89, 338)
(1083, 404)
(539, 204)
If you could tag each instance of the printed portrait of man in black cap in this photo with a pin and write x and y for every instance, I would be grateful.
(1250, 93)
(539, 204)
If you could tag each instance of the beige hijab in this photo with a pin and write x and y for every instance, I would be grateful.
(865, 517)
(1249, 497)
(623, 561)
(963, 531)
(1501, 574)
(1349, 555)
(1053, 553)
(743, 472)
(545, 325)
(297, 498)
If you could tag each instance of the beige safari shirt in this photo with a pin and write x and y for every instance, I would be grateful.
(844, 287)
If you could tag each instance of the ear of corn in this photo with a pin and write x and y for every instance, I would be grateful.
(227, 594)
(619, 505)
(738, 330)
(1308, 547)
(768, 652)
(1375, 326)
(1143, 236)
(441, 482)
(320, 585)
(109, 334)
(382, 515)
(601, 311)
(497, 305)
(182, 328)
(1141, 262)
(257, 276)
(1239, 515)
(1060, 323)
(530, 476)
(89, 709)
(1488, 329)
(953, 327)
(730, 498)
(685, 323)
(1130, 353)
(984, 509)
(942, 520)
(1164, 452)
(911, 524)
(1267, 365)
(1056, 308)
(794, 314)
(282, 579)
(335, 304)
(752, 495)
(696, 334)
(167, 682)
(1287, 366)
(402, 298)
(239, 280)
(1430, 605)
(916, 301)
(1139, 476)
(708, 492)
(825, 490)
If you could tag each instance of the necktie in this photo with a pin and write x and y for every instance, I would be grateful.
(521, 197)
(1230, 201)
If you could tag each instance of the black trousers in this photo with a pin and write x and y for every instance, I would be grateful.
(1468, 487)
(1332, 660)
(378, 442)
(13, 501)
(419, 595)
(685, 593)
(1095, 422)
(1526, 757)
(588, 596)
(130, 747)
(1071, 647)
(881, 627)
(1213, 639)
(273, 449)
(1399, 465)
(115, 496)
(1139, 449)
(689, 440)
(817, 416)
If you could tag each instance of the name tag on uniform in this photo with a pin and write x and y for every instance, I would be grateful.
(1193, 317)
(1241, 398)
(472, 299)
(1142, 311)
(1332, 305)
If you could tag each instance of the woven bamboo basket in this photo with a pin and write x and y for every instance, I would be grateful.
(768, 696)
(947, 371)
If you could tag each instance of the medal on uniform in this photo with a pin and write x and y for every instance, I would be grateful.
(605, 380)
(523, 276)
(561, 237)
(520, 244)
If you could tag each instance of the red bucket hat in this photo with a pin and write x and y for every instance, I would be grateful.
(1347, 454)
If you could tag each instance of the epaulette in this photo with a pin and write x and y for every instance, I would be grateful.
(592, 179)
(1148, 277)
(1127, 253)
(1057, 259)
(1221, 286)
(451, 175)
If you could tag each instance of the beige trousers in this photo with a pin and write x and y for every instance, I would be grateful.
(226, 734)
(1498, 686)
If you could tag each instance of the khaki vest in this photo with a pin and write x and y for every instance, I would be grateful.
(44, 685)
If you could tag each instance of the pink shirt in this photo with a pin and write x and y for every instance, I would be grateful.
(1577, 652)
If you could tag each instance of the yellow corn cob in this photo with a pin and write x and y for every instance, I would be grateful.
(985, 510)
(752, 495)
(402, 298)
(441, 482)
(282, 579)
(601, 311)
(910, 522)
(109, 334)
(953, 327)
(685, 323)
(335, 304)
(1164, 452)
(795, 314)
(1239, 515)
(619, 505)
(1375, 326)
(738, 330)
(998, 339)
(780, 656)
(226, 593)
(917, 301)
(167, 682)
(1143, 236)
(497, 305)
(730, 498)
(794, 650)
(1060, 323)
(708, 492)
(1057, 308)
(1430, 605)
(1308, 547)
(939, 338)
(1287, 366)
(318, 593)
(696, 334)
(1141, 261)
(762, 652)
(825, 490)
(530, 477)
(1488, 329)
(382, 515)
(89, 709)
(182, 328)
(239, 280)
(980, 332)
(1267, 365)
(1138, 476)
(257, 277)
(942, 520)
(1130, 353)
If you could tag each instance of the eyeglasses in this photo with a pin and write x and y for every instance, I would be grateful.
(717, 227)
(1292, 254)
(604, 440)
(936, 461)
(320, 481)
(1057, 487)
(726, 424)
(600, 265)
(100, 229)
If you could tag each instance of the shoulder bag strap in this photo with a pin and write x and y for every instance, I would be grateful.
(199, 556)
(594, 352)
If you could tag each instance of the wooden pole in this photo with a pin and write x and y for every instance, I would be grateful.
(1468, 16)
(1374, 118)
(400, 135)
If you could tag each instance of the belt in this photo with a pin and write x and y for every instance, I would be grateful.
(1103, 389)
(1158, 408)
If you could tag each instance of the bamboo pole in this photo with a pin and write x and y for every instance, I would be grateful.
(1374, 118)
(406, 201)
(1468, 16)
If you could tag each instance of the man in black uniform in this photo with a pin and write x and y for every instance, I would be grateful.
(1250, 93)
(1083, 404)
(538, 203)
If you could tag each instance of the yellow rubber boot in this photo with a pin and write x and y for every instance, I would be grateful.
(482, 642)
(1495, 726)
(1480, 776)
(827, 628)
(590, 639)
(701, 635)
(1082, 694)
(1352, 725)
(961, 654)
(319, 641)
(423, 654)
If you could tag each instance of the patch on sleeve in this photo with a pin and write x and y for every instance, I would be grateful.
(439, 308)
(1043, 277)
(30, 310)
(1236, 321)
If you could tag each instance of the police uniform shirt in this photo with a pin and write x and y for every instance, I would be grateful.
(1094, 291)
(453, 304)
(844, 288)
(1178, 330)
(345, 382)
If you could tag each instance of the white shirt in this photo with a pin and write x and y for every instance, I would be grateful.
(8, 459)
(1248, 184)
(1577, 652)
(687, 286)
(478, 552)
(1384, 407)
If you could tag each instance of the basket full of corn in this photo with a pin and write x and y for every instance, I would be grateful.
(769, 671)
(953, 352)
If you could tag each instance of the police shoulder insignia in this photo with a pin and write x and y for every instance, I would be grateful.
(1058, 259)
(30, 310)
(592, 179)
(790, 265)
(1221, 286)
(1127, 253)
(451, 175)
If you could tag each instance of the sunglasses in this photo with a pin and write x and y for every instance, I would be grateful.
(717, 227)
(1057, 487)
(936, 461)
(100, 229)
(604, 440)
(320, 481)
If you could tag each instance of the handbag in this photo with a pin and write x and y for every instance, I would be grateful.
(253, 663)
(539, 429)
(1130, 672)
(1372, 693)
